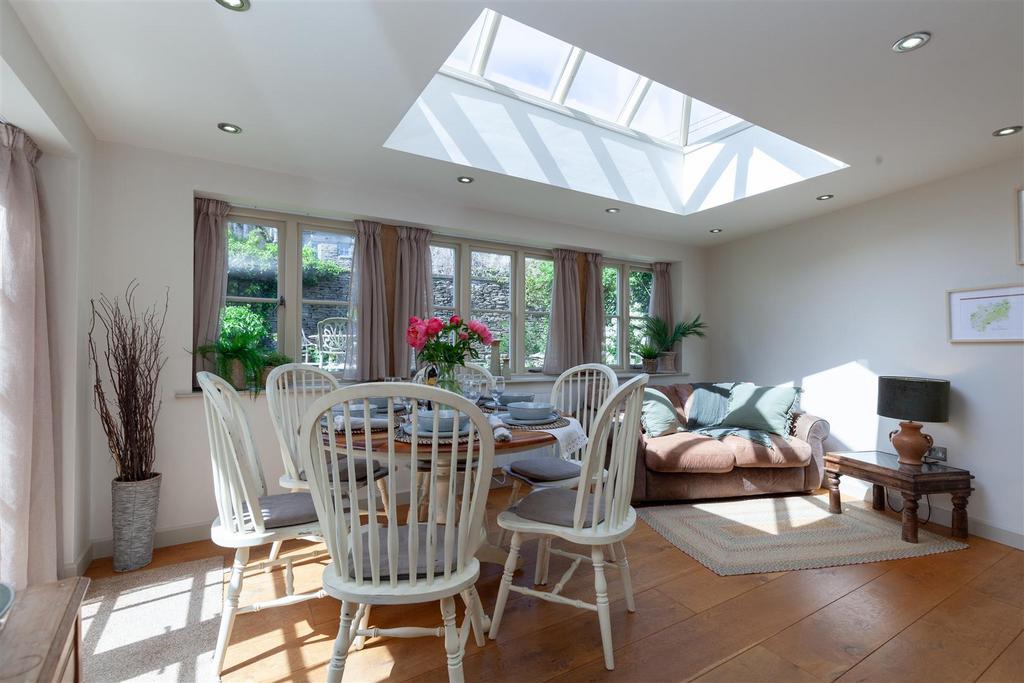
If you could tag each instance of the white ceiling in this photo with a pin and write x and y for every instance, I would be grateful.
(318, 87)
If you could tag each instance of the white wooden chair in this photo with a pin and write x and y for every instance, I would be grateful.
(291, 390)
(579, 391)
(406, 563)
(246, 515)
(598, 515)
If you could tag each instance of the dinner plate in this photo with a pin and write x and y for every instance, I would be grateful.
(530, 423)
(495, 406)
(407, 428)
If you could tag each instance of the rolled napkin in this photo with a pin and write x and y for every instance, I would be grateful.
(501, 432)
(357, 423)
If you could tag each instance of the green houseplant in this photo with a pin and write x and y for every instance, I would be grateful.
(664, 337)
(239, 351)
(270, 361)
(649, 355)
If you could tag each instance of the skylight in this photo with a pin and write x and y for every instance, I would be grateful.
(502, 51)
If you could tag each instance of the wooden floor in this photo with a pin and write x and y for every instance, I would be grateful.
(955, 617)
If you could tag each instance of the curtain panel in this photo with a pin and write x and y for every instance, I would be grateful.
(209, 276)
(593, 310)
(412, 289)
(565, 337)
(28, 508)
(661, 297)
(369, 325)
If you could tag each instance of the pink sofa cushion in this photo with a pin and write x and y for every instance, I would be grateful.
(792, 453)
(688, 452)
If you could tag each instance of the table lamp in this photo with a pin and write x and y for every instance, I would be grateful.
(912, 400)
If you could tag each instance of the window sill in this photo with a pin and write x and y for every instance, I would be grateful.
(526, 378)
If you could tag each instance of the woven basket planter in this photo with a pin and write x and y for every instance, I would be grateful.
(134, 518)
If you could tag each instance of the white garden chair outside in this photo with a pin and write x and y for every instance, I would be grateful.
(598, 515)
(580, 391)
(291, 390)
(412, 562)
(332, 341)
(246, 516)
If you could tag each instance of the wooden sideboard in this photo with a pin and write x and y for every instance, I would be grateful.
(41, 640)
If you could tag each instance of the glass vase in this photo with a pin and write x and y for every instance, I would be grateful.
(447, 377)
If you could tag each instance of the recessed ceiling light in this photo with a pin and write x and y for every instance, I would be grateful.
(230, 128)
(611, 209)
(464, 179)
(912, 41)
(824, 197)
(715, 231)
(1009, 130)
(235, 5)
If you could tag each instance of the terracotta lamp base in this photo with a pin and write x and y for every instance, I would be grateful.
(910, 442)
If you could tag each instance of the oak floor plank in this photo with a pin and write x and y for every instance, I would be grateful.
(835, 638)
(691, 647)
(1009, 666)
(757, 664)
(699, 588)
(954, 642)
(1005, 581)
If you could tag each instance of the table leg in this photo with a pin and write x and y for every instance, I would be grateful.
(832, 482)
(489, 550)
(910, 517)
(877, 497)
(960, 515)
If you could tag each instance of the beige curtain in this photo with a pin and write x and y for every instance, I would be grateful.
(593, 311)
(412, 289)
(565, 338)
(28, 511)
(209, 276)
(369, 328)
(661, 297)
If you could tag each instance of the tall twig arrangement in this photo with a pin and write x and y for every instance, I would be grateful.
(134, 358)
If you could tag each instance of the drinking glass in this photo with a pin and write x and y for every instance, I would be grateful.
(499, 389)
(471, 389)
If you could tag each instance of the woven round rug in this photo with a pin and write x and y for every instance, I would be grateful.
(761, 535)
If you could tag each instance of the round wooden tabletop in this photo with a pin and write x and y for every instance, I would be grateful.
(522, 440)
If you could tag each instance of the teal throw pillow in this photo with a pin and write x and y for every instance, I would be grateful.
(768, 409)
(658, 415)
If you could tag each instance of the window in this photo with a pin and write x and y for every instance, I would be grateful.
(443, 263)
(612, 316)
(513, 55)
(326, 297)
(538, 279)
(641, 283)
(253, 277)
(490, 296)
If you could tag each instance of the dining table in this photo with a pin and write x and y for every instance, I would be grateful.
(522, 440)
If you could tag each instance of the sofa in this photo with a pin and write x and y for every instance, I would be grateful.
(689, 466)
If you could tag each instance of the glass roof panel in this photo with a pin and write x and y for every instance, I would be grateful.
(462, 57)
(706, 120)
(660, 114)
(600, 88)
(526, 59)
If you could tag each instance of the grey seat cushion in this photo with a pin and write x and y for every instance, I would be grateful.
(554, 506)
(287, 509)
(544, 469)
(360, 470)
(402, 561)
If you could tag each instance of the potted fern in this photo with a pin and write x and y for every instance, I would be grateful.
(664, 337)
(126, 391)
(649, 357)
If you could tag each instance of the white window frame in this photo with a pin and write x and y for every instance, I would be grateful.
(624, 316)
(520, 303)
(289, 268)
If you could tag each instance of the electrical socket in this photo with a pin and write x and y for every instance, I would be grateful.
(937, 453)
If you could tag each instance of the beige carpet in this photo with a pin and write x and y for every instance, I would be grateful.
(154, 624)
(780, 534)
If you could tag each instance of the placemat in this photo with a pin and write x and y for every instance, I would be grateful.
(556, 424)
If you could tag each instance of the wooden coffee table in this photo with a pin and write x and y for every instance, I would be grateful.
(884, 470)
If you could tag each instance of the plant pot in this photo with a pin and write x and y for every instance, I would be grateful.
(667, 361)
(265, 374)
(134, 517)
(236, 370)
(650, 365)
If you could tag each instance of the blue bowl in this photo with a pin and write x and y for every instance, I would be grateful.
(509, 398)
(445, 421)
(528, 410)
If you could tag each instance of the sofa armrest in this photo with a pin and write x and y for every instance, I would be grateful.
(814, 430)
(640, 469)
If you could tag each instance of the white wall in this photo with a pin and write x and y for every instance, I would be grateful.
(833, 302)
(144, 230)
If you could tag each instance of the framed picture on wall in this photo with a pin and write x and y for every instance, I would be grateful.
(1020, 227)
(986, 314)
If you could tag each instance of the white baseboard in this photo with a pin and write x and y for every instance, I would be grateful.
(80, 564)
(162, 539)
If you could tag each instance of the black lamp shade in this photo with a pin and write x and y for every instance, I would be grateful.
(918, 399)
